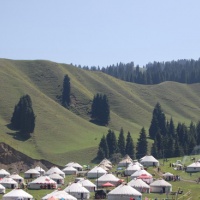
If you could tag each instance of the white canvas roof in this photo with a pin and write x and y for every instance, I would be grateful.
(140, 172)
(59, 195)
(168, 174)
(124, 190)
(69, 169)
(39, 169)
(54, 170)
(43, 180)
(138, 183)
(76, 188)
(32, 171)
(99, 169)
(133, 167)
(106, 161)
(108, 178)
(86, 183)
(8, 180)
(17, 193)
(56, 176)
(4, 172)
(15, 176)
(126, 159)
(195, 164)
(148, 159)
(2, 187)
(160, 183)
(74, 164)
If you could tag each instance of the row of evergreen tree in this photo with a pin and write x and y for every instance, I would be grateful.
(109, 145)
(171, 140)
(183, 71)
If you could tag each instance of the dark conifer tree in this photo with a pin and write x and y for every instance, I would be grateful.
(172, 131)
(66, 100)
(121, 142)
(23, 118)
(198, 133)
(130, 148)
(169, 150)
(142, 144)
(103, 151)
(154, 150)
(111, 142)
(177, 149)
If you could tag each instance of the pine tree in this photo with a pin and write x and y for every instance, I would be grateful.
(130, 149)
(121, 142)
(142, 144)
(112, 142)
(66, 91)
(103, 151)
(154, 150)
(23, 118)
(198, 133)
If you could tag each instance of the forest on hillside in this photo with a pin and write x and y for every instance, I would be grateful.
(182, 71)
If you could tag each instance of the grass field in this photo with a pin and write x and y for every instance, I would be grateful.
(63, 135)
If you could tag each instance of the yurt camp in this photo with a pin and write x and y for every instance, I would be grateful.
(57, 178)
(17, 194)
(132, 169)
(124, 192)
(160, 186)
(40, 170)
(42, 182)
(59, 195)
(140, 185)
(194, 167)
(78, 191)
(8, 183)
(17, 178)
(31, 174)
(69, 170)
(74, 165)
(3, 173)
(96, 172)
(53, 170)
(2, 189)
(125, 161)
(147, 161)
(88, 185)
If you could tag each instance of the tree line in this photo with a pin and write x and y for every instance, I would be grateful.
(182, 71)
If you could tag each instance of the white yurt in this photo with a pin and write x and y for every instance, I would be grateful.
(2, 189)
(31, 173)
(88, 185)
(139, 185)
(106, 163)
(78, 191)
(124, 192)
(40, 170)
(3, 173)
(131, 169)
(194, 167)
(168, 176)
(125, 161)
(147, 161)
(42, 182)
(69, 170)
(160, 186)
(108, 178)
(57, 178)
(59, 195)
(17, 178)
(96, 172)
(8, 183)
(18, 194)
(139, 173)
(74, 165)
(53, 170)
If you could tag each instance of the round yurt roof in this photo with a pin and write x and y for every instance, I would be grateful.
(43, 179)
(195, 164)
(160, 183)
(126, 159)
(15, 176)
(4, 172)
(76, 187)
(86, 183)
(59, 195)
(138, 183)
(73, 164)
(124, 189)
(140, 172)
(103, 167)
(32, 171)
(55, 176)
(2, 187)
(148, 159)
(106, 161)
(168, 174)
(133, 167)
(54, 170)
(18, 193)
(8, 180)
(108, 177)
(39, 169)
(99, 169)
(69, 169)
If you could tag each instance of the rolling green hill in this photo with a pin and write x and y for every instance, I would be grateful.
(63, 135)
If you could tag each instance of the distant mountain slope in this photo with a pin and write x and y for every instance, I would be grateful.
(63, 135)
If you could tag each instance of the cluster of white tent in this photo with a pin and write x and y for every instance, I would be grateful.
(141, 181)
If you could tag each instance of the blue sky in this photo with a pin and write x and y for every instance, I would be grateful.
(100, 32)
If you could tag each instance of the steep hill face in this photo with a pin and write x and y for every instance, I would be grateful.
(63, 135)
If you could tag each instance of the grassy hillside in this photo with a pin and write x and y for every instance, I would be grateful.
(63, 135)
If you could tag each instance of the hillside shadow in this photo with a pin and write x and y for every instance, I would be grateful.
(97, 122)
(16, 134)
